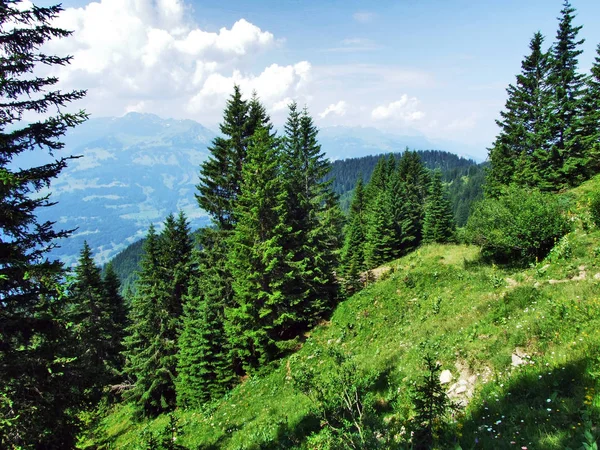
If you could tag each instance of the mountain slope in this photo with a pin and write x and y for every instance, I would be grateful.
(521, 346)
(138, 168)
(134, 170)
(465, 179)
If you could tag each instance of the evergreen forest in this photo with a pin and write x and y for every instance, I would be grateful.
(414, 300)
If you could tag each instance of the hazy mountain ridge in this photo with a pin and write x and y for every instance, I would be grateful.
(136, 169)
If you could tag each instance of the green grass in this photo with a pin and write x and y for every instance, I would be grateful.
(442, 299)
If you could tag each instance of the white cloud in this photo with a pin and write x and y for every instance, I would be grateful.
(275, 86)
(406, 109)
(149, 56)
(363, 16)
(339, 109)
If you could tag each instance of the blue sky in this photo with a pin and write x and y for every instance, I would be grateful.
(432, 67)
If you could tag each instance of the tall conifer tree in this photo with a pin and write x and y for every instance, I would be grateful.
(118, 313)
(93, 327)
(380, 235)
(414, 181)
(36, 406)
(590, 121)
(567, 87)
(261, 314)
(353, 252)
(438, 225)
(156, 316)
(143, 344)
(221, 173)
(204, 366)
(520, 153)
(313, 217)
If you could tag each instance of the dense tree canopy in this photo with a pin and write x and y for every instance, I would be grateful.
(34, 407)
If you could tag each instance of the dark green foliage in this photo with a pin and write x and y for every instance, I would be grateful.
(345, 172)
(549, 129)
(118, 314)
(464, 191)
(204, 368)
(413, 181)
(520, 153)
(93, 328)
(431, 404)
(257, 261)
(519, 226)
(353, 252)
(221, 173)
(379, 239)
(438, 224)
(143, 340)
(465, 179)
(566, 87)
(590, 121)
(36, 393)
(313, 218)
(126, 265)
(151, 355)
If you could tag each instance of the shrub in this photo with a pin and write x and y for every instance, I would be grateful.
(342, 399)
(519, 226)
(595, 208)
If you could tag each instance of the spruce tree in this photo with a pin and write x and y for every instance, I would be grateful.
(353, 252)
(155, 317)
(118, 316)
(379, 179)
(204, 366)
(438, 225)
(91, 315)
(37, 400)
(590, 121)
(567, 87)
(413, 180)
(261, 314)
(379, 242)
(143, 340)
(221, 173)
(520, 153)
(314, 220)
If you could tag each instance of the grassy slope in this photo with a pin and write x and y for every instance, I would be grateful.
(470, 313)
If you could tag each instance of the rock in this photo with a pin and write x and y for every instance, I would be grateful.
(597, 276)
(516, 360)
(445, 377)
(538, 284)
(461, 389)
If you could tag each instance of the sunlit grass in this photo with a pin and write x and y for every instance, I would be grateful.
(442, 299)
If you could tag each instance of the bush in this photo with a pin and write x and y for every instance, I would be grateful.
(519, 226)
(595, 208)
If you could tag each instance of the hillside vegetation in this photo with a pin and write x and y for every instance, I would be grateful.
(463, 177)
(521, 345)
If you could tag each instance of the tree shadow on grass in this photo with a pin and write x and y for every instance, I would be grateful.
(538, 409)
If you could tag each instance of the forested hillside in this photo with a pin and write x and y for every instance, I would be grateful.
(464, 179)
(291, 323)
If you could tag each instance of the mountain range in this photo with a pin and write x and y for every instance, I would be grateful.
(136, 169)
